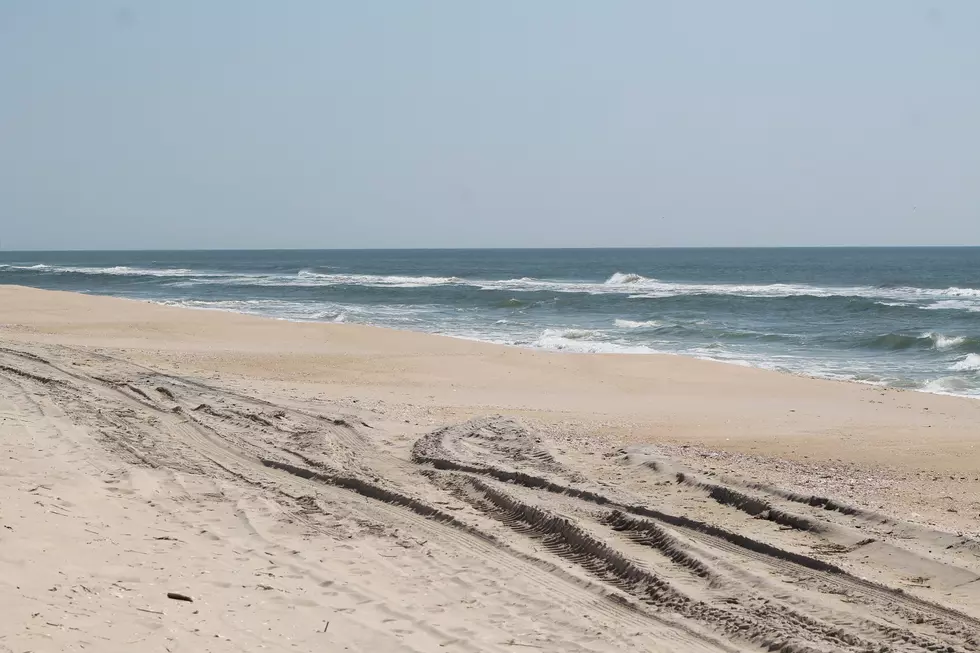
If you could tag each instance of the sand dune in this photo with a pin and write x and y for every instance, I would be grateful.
(317, 487)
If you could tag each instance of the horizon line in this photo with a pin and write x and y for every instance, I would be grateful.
(436, 249)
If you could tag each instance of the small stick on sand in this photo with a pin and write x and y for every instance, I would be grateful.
(150, 611)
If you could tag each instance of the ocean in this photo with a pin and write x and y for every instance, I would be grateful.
(900, 317)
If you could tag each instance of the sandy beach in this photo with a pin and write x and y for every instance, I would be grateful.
(342, 487)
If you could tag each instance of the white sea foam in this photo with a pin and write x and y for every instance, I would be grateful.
(626, 278)
(621, 340)
(949, 385)
(269, 307)
(286, 310)
(632, 324)
(125, 271)
(953, 305)
(573, 334)
(713, 352)
(581, 341)
(393, 280)
(116, 271)
(10, 266)
(635, 286)
(334, 315)
(969, 364)
(940, 341)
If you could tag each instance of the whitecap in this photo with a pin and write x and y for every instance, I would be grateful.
(969, 364)
(633, 324)
(309, 278)
(119, 271)
(953, 305)
(940, 341)
(633, 285)
(624, 278)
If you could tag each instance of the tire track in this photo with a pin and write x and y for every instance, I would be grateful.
(889, 601)
(245, 461)
(762, 624)
(751, 505)
(151, 418)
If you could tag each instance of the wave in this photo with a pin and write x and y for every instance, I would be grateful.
(945, 342)
(896, 304)
(631, 324)
(958, 354)
(8, 266)
(583, 341)
(634, 285)
(335, 315)
(286, 310)
(195, 277)
(572, 334)
(969, 364)
(626, 278)
(950, 385)
(930, 340)
(953, 305)
(115, 271)
(393, 280)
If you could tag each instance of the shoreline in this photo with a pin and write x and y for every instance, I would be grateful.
(748, 413)
(732, 362)
(611, 384)
(652, 353)
(853, 322)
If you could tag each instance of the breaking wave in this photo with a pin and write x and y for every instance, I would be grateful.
(633, 285)
(931, 340)
(969, 364)
(621, 279)
(115, 271)
(632, 324)
(887, 327)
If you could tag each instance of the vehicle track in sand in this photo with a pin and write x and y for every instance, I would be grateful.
(724, 578)
(146, 426)
(901, 620)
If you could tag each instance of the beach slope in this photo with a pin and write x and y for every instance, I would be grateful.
(332, 487)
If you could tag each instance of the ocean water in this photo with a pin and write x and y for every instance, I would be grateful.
(903, 317)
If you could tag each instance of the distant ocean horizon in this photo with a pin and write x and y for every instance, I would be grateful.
(906, 317)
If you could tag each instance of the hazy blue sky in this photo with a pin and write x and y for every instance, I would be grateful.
(495, 123)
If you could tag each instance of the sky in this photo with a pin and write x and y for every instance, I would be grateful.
(457, 123)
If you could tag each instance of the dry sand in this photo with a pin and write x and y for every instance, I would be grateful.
(334, 487)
